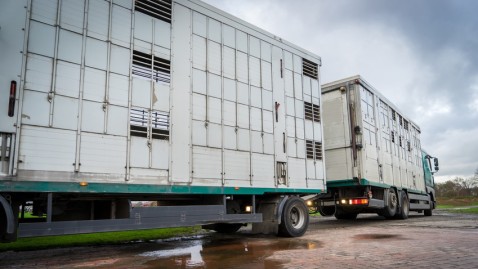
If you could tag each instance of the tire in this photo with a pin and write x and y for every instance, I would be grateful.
(327, 211)
(405, 208)
(224, 228)
(391, 209)
(429, 212)
(295, 218)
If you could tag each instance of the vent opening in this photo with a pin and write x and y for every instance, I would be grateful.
(139, 122)
(151, 67)
(312, 112)
(310, 69)
(160, 125)
(157, 121)
(314, 149)
(159, 9)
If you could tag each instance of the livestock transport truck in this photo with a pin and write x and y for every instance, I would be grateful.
(107, 102)
(373, 155)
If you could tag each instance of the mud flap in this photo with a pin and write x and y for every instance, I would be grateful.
(8, 227)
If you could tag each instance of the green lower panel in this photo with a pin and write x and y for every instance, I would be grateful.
(75, 187)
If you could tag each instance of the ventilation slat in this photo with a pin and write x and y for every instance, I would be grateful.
(147, 66)
(159, 9)
(312, 112)
(310, 69)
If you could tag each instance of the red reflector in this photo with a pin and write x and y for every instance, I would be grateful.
(11, 99)
(359, 201)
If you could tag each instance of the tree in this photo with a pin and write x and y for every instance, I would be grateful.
(458, 187)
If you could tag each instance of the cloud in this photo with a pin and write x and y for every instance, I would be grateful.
(422, 55)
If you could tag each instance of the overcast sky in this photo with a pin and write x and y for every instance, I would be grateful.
(422, 55)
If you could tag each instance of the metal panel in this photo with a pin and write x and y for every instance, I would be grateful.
(243, 116)
(94, 85)
(214, 135)
(300, 148)
(214, 85)
(229, 63)
(207, 163)
(117, 120)
(161, 96)
(255, 71)
(71, 15)
(214, 57)
(290, 106)
(306, 86)
(263, 170)
(47, 149)
(199, 52)
(290, 126)
(102, 154)
(214, 30)
(297, 64)
(124, 3)
(121, 26)
(289, 83)
(141, 92)
(309, 130)
(119, 88)
(143, 27)
(291, 147)
(254, 47)
(69, 46)
(120, 60)
(310, 167)
(256, 119)
(36, 108)
(268, 123)
(45, 11)
(288, 62)
(266, 52)
(199, 107)
(181, 94)
(230, 137)
(229, 113)
(299, 128)
(266, 75)
(199, 133)
(241, 41)
(319, 169)
(267, 100)
(229, 36)
(317, 131)
(65, 112)
(296, 171)
(242, 67)
(139, 152)
(93, 117)
(214, 110)
(98, 19)
(96, 52)
(68, 79)
(236, 165)
(243, 141)
(38, 73)
(199, 81)
(315, 88)
(160, 154)
(268, 143)
(162, 34)
(229, 89)
(256, 97)
(256, 142)
(199, 24)
(242, 93)
(41, 39)
(299, 109)
(298, 86)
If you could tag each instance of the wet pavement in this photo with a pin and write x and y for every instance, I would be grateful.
(441, 241)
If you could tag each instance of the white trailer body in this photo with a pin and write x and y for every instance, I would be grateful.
(153, 97)
(373, 153)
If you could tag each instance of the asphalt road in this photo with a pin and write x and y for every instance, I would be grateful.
(444, 240)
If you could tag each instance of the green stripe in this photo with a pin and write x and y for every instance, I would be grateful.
(364, 182)
(74, 187)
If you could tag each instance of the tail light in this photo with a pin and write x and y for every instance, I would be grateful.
(11, 99)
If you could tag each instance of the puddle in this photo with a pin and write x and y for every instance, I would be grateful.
(376, 236)
(222, 252)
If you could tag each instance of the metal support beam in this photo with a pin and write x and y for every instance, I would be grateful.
(49, 207)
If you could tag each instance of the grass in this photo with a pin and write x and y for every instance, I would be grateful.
(459, 204)
(35, 243)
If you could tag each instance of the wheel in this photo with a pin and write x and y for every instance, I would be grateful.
(295, 218)
(391, 209)
(224, 228)
(405, 208)
(429, 212)
(327, 210)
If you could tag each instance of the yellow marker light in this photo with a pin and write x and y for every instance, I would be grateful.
(248, 208)
(83, 184)
(309, 203)
(343, 201)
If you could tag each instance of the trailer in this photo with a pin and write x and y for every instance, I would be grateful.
(373, 155)
(104, 103)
